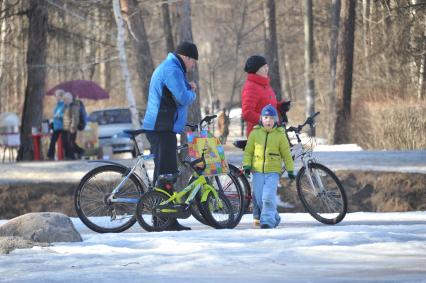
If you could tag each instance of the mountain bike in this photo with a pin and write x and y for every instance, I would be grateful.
(319, 189)
(107, 196)
(158, 209)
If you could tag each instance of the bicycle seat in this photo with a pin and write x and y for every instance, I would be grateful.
(167, 178)
(134, 133)
(240, 144)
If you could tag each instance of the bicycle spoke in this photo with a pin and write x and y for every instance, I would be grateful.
(92, 199)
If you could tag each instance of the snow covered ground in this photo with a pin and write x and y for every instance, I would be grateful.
(365, 247)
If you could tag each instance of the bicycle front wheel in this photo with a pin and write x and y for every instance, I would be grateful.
(218, 211)
(321, 193)
(94, 207)
(229, 187)
(146, 205)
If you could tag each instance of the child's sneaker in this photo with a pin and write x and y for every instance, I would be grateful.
(265, 226)
(256, 223)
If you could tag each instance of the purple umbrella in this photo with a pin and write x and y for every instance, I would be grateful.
(81, 89)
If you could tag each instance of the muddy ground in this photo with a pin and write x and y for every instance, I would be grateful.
(367, 191)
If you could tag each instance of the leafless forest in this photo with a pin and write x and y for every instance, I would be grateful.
(361, 63)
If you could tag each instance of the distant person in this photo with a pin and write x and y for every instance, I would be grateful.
(76, 125)
(223, 126)
(267, 147)
(68, 125)
(57, 123)
(170, 95)
(257, 92)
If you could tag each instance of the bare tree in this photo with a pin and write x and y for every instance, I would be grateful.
(422, 71)
(365, 29)
(136, 26)
(124, 66)
(309, 61)
(239, 36)
(36, 69)
(185, 34)
(346, 54)
(334, 40)
(271, 46)
(167, 27)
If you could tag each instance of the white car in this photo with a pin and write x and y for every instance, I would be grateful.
(111, 123)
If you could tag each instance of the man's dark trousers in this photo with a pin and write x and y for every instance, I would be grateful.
(163, 146)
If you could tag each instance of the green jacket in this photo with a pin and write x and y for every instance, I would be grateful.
(265, 151)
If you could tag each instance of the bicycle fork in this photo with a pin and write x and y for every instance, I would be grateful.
(318, 193)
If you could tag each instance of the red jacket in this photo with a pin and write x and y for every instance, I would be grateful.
(257, 93)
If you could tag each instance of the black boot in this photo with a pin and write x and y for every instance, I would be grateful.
(177, 227)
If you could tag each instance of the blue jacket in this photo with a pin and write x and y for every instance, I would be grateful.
(169, 97)
(58, 115)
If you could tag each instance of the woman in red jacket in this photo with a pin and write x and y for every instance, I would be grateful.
(257, 92)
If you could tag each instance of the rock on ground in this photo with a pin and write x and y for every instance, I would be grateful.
(8, 244)
(47, 227)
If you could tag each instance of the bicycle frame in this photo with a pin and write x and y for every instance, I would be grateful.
(199, 184)
(140, 160)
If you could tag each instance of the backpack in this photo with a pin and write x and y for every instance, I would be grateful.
(82, 119)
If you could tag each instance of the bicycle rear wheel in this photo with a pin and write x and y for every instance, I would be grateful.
(218, 212)
(326, 201)
(146, 205)
(94, 208)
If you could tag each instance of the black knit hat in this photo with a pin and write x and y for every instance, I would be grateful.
(254, 63)
(187, 49)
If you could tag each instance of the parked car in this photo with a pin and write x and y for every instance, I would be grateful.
(111, 123)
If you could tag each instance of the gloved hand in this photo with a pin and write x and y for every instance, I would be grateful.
(291, 175)
(247, 170)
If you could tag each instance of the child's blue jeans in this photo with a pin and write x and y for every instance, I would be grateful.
(265, 195)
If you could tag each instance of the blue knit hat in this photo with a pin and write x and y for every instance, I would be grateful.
(269, 110)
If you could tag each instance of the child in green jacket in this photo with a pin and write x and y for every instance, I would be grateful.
(267, 147)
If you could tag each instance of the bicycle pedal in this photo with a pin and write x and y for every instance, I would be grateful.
(181, 211)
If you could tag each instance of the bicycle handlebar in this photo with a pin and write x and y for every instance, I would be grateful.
(195, 162)
(309, 121)
(207, 119)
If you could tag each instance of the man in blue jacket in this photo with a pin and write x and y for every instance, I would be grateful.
(170, 95)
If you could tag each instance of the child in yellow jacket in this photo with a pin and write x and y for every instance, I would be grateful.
(267, 147)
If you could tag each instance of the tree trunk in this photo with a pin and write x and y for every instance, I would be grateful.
(124, 66)
(386, 28)
(167, 27)
(365, 25)
(185, 34)
(145, 65)
(422, 72)
(271, 46)
(289, 75)
(334, 40)
(309, 67)
(238, 40)
(346, 53)
(286, 75)
(36, 59)
(3, 33)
